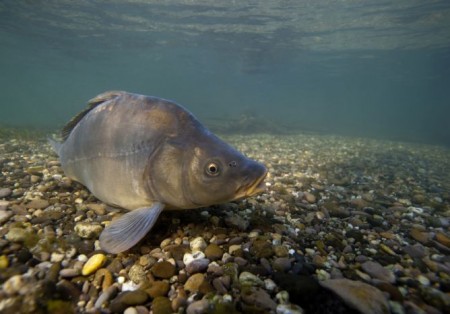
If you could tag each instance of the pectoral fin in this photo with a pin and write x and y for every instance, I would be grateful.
(124, 232)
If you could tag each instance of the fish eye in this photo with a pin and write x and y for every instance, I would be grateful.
(212, 169)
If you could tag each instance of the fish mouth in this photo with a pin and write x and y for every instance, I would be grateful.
(253, 188)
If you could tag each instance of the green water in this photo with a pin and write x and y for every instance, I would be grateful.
(363, 68)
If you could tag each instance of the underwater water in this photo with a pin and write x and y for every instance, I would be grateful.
(360, 68)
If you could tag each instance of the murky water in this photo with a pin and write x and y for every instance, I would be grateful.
(364, 68)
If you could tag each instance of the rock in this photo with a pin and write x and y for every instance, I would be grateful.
(130, 310)
(213, 252)
(161, 305)
(261, 248)
(13, 284)
(197, 244)
(37, 203)
(197, 266)
(361, 296)
(127, 298)
(375, 270)
(248, 279)
(194, 282)
(258, 298)
(5, 192)
(309, 197)
(199, 307)
(99, 209)
(163, 270)
(443, 239)
(416, 251)
(17, 235)
(4, 216)
(237, 221)
(281, 251)
(289, 309)
(188, 257)
(95, 262)
(87, 230)
(158, 289)
(419, 235)
(137, 274)
(281, 264)
(4, 205)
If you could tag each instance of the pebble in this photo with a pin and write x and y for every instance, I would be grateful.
(361, 296)
(163, 270)
(213, 252)
(188, 257)
(37, 203)
(199, 307)
(5, 192)
(248, 279)
(282, 264)
(137, 273)
(197, 244)
(17, 235)
(289, 309)
(197, 266)
(443, 239)
(69, 272)
(87, 230)
(161, 305)
(258, 298)
(128, 298)
(95, 262)
(158, 289)
(4, 205)
(375, 270)
(194, 282)
(4, 216)
(13, 284)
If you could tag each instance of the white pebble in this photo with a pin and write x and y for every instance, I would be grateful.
(82, 258)
(188, 257)
(198, 244)
(129, 286)
(269, 284)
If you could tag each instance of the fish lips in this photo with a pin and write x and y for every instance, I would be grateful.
(253, 187)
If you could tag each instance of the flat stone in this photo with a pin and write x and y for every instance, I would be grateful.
(248, 279)
(95, 262)
(358, 295)
(194, 282)
(213, 252)
(37, 203)
(5, 192)
(161, 305)
(258, 298)
(375, 270)
(158, 289)
(4, 216)
(199, 307)
(127, 298)
(197, 266)
(419, 235)
(87, 230)
(443, 239)
(163, 270)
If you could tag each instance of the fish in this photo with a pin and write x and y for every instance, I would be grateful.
(147, 154)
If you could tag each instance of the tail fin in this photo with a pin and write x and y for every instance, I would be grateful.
(55, 145)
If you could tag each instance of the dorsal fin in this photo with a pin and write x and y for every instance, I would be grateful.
(94, 102)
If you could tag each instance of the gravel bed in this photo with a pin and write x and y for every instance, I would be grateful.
(347, 225)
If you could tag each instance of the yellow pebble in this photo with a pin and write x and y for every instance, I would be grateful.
(95, 262)
(387, 249)
(4, 263)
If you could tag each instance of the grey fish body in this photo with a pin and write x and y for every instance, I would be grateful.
(146, 154)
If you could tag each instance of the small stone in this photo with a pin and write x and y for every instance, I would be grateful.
(289, 309)
(161, 305)
(262, 248)
(4, 262)
(17, 235)
(99, 209)
(282, 264)
(282, 297)
(188, 257)
(128, 298)
(137, 273)
(130, 310)
(248, 279)
(375, 270)
(258, 298)
(213, 252)
(5, 192)
(198, 244)
(95, 262)
(37, 203)
(194, 282)
(199, 307)
(419, 235)
(69, 272)
(361, 296)
(269, 285)
(3, 205)
(4, 216)
(443, 239)
(281, 251)
(197, 266)
(13, 284)
(88, 230)
(158, 289)
(163, 270)
(309, 197)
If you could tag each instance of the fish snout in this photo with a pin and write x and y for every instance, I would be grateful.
(253, 182)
